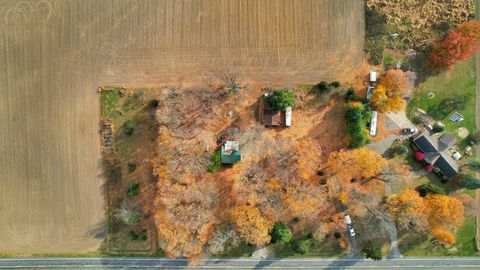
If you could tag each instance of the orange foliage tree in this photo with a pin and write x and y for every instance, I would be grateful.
(395, 81)
(444, 236)
(252, 227)
(383, 101)
(359, 164)
(444, 211)
(408, 209)
(459, 44)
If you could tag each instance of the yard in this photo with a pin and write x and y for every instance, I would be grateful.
(458, 82)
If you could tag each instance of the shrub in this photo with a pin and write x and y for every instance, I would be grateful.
(417, 120)
(337, 235)
(469, 182)
(133, 235)
(357, 117)
(438, 128)
(132, 190)
(216, 162)
(132, 166)
(144, 235)
(323, 86)
(153, 103)
(320, 173)
(129, 128)
(279, 100)
(372, 251)
(296, 220)
(335, 84)
(301, 246)
(430, 188)
(399, 149)
(323, 182)
(281, 233)
(351, 95)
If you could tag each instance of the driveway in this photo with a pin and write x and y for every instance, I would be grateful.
(393, 121)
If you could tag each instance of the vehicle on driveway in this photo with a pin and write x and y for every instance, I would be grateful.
(350, 229)
(409, 130)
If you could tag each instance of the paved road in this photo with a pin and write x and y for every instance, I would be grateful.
(155, 263)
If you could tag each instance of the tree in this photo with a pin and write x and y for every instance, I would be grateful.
(382, 101)
(469, 182)
(252, 227)
(357, 117)
(474, 165)
(128, 212)
(395, 82)
(454, 47)
(470, 29)
(408, 209)
(444, 213)
(281, 233)
(350, 95)
(372, 251)
(430, 188)
(361, 163)
(279, 100)
(443, 236)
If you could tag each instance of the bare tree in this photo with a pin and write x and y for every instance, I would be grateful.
(128, 212)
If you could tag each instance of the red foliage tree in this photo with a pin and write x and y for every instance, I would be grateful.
(454, 47)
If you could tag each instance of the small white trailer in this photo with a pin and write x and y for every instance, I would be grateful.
(373, 76)
(288, 117)
(370, 92)
(373, 124)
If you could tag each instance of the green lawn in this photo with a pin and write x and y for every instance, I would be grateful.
(317, 249)
(464, 246)
(242, 250)
(457, 82)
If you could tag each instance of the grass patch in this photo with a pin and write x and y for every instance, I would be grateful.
(316, 249)
(388, 60)
(241, 251)
(464, 246)
(457, 82)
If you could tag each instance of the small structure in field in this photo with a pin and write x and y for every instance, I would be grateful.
(230, 153)
(456, 118)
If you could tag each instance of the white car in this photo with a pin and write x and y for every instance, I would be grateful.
(350, 230)
(409, 130)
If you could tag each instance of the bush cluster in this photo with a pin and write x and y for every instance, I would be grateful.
(279, 100)
(216, 162)
(281, 233)
(301, 246)
(357, 116)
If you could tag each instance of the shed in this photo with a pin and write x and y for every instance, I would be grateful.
(456, 118)
(230, 152)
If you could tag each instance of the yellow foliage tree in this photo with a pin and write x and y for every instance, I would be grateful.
(444, 211)
(252, 227)
(395, 82)
(383, 102)
(361, 164)
(444, 236)
(408, 209)
(343, 197)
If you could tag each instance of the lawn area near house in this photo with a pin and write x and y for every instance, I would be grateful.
(457, 82)
(415, 245)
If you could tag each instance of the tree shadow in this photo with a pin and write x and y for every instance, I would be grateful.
(98, 231)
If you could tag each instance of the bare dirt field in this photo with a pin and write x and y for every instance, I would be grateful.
(53, 55)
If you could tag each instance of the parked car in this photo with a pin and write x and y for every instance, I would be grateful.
(351, 231)
(409, 130)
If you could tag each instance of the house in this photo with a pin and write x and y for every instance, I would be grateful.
(272, 118)
(230, 152)
(435, 152)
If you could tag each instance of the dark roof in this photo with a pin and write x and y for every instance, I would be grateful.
(425, 143)
(272, 118)
(446, 166)
(435, 152)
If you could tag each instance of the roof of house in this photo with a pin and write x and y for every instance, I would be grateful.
(435, 152)
(230, 152)
(272, 118)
